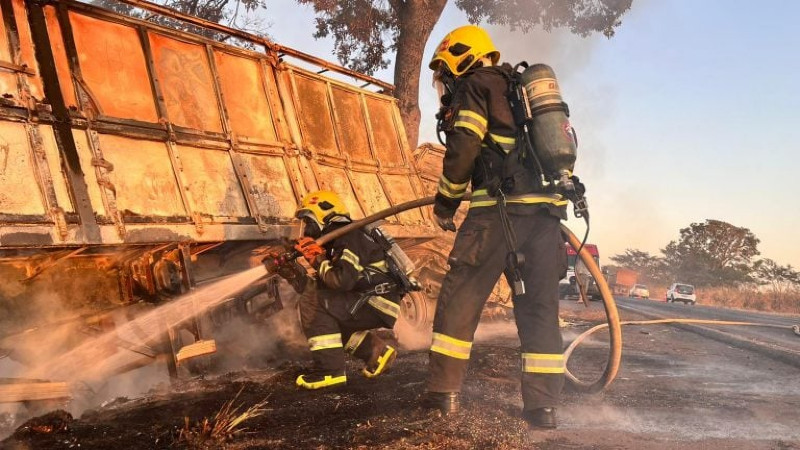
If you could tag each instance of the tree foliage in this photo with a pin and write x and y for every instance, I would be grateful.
(712, 253)
(651, 269)
(779, 278)
(366, 31)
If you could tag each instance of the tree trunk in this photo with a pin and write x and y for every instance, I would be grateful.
(417, 19)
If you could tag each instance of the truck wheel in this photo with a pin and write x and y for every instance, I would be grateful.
(416, 311)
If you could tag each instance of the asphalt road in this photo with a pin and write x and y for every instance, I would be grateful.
(781, 343)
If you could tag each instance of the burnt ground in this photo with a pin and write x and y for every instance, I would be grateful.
(675, 390)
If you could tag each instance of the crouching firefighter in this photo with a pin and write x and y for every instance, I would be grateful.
(354, 292)
(512, 227)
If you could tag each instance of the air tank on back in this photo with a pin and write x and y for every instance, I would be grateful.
(553, 137)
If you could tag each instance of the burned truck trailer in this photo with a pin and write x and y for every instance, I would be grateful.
(140, 160)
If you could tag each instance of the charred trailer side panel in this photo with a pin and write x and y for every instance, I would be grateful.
(138, 161)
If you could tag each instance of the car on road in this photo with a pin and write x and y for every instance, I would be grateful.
(639, 291)
(679, 292)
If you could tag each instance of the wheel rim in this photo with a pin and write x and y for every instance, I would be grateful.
(414, 310)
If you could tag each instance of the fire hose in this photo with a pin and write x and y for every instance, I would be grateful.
(612, 314)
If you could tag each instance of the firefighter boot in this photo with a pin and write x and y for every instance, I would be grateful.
(381, 363)
(378, 356)
(445, 402)
(319, 380)
(540, 417)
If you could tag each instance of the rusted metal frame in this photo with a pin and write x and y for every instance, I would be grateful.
(45, 180)
(26, 218)
(330, 66)
(271, 46)
(194, 140)
(111, 16)
(348, 166)
(119, 128)
(374, 149)
(161, 108)
(40, 268)
(283, 134)
(178, 129)
(101, 165)
(338, 83)
(267, 150)
(308, 151)
(294, 145)
(137, 218)
(11, 67)
(108, 191)
(38, 153)
(103, 119)
(402, 142)
(61, 120)
(290, 155)
(14, 46)
(256, 142)
(236, 161)
(262, 64)
(13, 113)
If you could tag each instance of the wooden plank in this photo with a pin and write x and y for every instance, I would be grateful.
(199, 348)
(19, 392)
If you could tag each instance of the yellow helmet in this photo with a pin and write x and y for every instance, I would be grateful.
(320, 206)
(462, 48)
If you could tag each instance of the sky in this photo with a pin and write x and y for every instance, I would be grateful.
(690, 112)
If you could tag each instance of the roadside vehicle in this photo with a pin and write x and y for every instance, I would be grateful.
(621, 280)
(639, 291)
(568, 286)
(679, 292)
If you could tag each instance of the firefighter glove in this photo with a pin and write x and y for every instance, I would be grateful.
(443, 210)
(274, 260)
(309, 248)
(282, 264)
(445, 223)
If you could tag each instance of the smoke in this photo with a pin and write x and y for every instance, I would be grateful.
(275, 339)
(101, 368)
(410, 338)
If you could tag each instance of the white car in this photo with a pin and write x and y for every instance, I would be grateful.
(679, 292)
(639, 291)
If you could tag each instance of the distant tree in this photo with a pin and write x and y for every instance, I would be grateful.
(712, 253)
(364, 31)
(651, 269)
(779, 278)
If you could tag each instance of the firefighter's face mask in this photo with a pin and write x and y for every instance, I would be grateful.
(310, 227)
(444, 83)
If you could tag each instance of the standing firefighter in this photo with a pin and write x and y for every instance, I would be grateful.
(512, 227)
(354, 294)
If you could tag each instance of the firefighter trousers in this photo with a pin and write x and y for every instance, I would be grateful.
(476, 262)
(331, 330)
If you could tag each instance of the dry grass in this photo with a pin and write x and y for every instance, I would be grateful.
(225, 424)
(751, 298)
